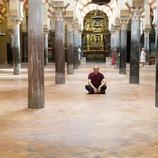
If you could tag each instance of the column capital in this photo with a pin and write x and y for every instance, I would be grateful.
(124, 23)
(116, 25)
(75, 25)
(46, 31)
(136, 9)
(69, 22)
(46, 22)
(16, 13)
(136, 13)
(113, 28)
(13, 24)
(59, 9)
(147, 31)
(59, 13)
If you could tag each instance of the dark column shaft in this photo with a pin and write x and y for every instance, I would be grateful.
(75, 49)
(70, 68)
(112, 40)
(36, 55)
(16, 49)
(146, 39)
(135, 44)
(123, 51)
(118, 39)
(59, 51)
(117, 47)
(156, 84)
(45, 48)
(79, 46)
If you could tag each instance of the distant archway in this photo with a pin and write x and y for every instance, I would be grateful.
(96, 36)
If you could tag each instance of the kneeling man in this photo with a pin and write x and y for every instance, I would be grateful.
(96, 82)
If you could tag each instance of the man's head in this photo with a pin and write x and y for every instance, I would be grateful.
(96, 69)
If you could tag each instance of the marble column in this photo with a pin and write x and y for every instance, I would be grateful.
(79, 46)
(59, 47)
(135, 46)
(45, 48)
(75, 50)
(15, 16)
(156, 34)
(70, 67)
(117, 47)
(112, 41)
(36, 55)
(117, 38)
(156, 81)
(15, 42)
(146, 38)
(123, 48)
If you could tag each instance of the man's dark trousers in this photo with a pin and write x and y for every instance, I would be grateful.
(91, 90)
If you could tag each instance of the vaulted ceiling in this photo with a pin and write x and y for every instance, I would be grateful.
(82, 7)
(85, 6)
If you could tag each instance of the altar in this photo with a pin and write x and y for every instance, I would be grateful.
(95, 55)
(96, 36)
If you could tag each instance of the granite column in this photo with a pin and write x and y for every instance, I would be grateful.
(135, 46)
(46, 48)
(123, 47)
(156, 82)
(59, 46)
(70, 67)
(36, 55)
(15, 42)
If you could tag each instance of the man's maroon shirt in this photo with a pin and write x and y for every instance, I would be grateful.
(96, 79)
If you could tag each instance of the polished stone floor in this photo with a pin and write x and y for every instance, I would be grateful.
(123, 123)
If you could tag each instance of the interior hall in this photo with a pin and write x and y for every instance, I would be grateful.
(48, 51)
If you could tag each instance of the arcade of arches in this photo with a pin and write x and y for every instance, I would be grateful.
(47, 50)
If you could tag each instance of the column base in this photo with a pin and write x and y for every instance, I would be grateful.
(134, 81)
(45, 63)
(35, 101)
(122, 71)
(70, 69)
(35, 107)
(76, 66)
(59, 78)
(17, 70)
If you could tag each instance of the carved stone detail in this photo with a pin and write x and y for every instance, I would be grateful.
(124, 24)
(59, 14)
(136, 13)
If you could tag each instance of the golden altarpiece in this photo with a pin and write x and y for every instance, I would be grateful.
(96, 36)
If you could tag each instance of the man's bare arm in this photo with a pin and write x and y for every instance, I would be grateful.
(103, 82)
(90, 83)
